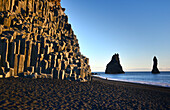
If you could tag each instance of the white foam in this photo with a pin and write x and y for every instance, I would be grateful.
(138, 82)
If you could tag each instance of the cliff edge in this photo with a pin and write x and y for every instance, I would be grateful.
(36, 40)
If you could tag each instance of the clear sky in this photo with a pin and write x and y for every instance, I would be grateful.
(136, 29)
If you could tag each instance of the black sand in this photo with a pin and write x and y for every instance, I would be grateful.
(27, 93)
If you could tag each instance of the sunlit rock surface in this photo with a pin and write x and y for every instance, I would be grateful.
(37, 41)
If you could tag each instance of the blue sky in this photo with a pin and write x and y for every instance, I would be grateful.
(136, 29)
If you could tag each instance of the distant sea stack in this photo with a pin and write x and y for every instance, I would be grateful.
(155, 63)
(114, 67)
(36, 40)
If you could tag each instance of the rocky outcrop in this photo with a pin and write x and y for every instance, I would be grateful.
(155, 68)
(36, 40)
(114, 67)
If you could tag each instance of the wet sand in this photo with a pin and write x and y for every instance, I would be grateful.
(28, 93)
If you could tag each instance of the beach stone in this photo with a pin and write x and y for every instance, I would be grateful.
(114, 67)
(155, 64)
(7, 75)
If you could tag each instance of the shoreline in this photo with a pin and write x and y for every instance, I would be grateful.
(132, 79)
(131, 84)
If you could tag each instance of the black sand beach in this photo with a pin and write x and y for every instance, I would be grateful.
(28, 93)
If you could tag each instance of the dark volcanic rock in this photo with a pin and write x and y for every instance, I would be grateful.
(114, 67)
(155, 63)
(36, 40)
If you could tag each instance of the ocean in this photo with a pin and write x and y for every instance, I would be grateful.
(162, 79)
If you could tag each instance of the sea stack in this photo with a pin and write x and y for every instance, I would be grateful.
(155, 68)
(114, 67)
(36, 40)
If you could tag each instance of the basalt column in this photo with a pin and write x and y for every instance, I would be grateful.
(37, 41)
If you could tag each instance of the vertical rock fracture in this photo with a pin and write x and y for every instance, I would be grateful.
(36, 40)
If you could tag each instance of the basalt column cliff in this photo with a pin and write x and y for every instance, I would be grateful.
(36, 40)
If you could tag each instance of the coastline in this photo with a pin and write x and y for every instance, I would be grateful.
(134, 85)
(145, 78)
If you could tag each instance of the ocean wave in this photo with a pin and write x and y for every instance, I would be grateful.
(137, 82)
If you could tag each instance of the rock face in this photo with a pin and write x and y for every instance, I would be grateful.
(155, 63)
(114, 67)
(36, 40)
